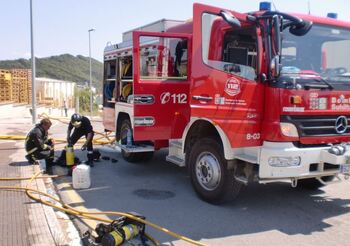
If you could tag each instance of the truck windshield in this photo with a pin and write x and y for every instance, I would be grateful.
(320, 57)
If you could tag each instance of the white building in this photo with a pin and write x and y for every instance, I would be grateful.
(53, 92)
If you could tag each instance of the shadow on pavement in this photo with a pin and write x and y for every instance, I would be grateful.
(12, 148)
(20, 164)
(162, 192)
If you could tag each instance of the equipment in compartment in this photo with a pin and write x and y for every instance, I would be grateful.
(126, 65)
(110, 71)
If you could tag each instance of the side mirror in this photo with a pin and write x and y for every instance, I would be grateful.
(301, 29)
(230, 19)
(275, 66)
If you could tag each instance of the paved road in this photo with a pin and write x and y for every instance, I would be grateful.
(273, 214)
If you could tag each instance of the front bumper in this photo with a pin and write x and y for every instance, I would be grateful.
(314, 161)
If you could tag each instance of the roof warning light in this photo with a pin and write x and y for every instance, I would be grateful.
(332, 15)
(265, 6)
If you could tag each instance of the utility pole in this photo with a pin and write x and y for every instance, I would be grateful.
(90, 30)
(33, 65)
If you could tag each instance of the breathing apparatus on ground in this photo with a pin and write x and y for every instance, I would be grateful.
(118, 232)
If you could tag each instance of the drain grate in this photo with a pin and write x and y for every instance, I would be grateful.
(154, 194)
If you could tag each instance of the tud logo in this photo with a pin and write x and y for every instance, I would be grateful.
(233, 86)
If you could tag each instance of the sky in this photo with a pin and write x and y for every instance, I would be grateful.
(61, 26)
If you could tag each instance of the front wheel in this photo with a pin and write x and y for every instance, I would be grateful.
(130, 156)
(210, 177)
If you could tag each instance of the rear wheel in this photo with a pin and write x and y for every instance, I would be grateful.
(132, 157)
(314, 184)
(210, 177)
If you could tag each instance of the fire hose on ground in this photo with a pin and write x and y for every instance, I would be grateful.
(83, 214)
(102, 139)
(75, 212)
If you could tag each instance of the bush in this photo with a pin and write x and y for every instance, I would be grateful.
(84, 100)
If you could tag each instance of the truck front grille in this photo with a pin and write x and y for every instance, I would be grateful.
(316, 125)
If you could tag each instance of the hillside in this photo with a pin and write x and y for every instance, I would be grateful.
(64, 67)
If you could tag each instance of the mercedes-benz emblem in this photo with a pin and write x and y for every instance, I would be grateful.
(341, 124)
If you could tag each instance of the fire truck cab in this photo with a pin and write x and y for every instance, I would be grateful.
(235, 97)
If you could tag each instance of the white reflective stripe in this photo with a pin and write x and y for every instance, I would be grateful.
(45, 152)
(90, 152)
(32, 150)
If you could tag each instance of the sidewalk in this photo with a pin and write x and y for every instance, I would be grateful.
(23, 221)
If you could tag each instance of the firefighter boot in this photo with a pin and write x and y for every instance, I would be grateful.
(49, 163)
(90, 157)
(30, 159)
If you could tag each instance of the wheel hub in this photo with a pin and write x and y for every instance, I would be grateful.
(208, 171)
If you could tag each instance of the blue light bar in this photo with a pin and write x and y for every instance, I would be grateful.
(332, 15)
(265, 6)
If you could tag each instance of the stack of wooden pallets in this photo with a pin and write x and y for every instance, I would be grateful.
(29, 86)
(21, 85)
(5, 86)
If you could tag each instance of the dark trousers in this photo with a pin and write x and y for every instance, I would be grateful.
(48, 155)
(77, 134)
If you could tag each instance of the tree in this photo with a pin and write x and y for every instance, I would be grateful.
(84, 100)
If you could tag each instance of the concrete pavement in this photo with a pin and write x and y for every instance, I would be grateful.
(23, 221)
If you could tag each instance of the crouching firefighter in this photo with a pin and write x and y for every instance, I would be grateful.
(82, 127)
(39, 146)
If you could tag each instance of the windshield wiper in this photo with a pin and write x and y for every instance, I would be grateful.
(322, 80)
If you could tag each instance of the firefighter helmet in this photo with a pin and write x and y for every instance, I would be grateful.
(76, 120)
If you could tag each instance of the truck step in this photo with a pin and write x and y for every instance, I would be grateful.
(136, 148)
(176, 160)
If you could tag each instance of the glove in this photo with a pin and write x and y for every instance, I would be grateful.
(46, 147)
(51, 142)
(84, 147)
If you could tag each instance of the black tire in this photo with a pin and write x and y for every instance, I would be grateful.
(312, 183)
(211, 179)
(132, 157)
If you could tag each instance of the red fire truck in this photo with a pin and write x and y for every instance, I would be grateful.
(235, 97)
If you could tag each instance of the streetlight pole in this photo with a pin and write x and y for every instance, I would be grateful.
(33, 65)
(90, 30)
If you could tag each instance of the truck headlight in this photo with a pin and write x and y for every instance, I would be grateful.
(282, 161)
(289, 129)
